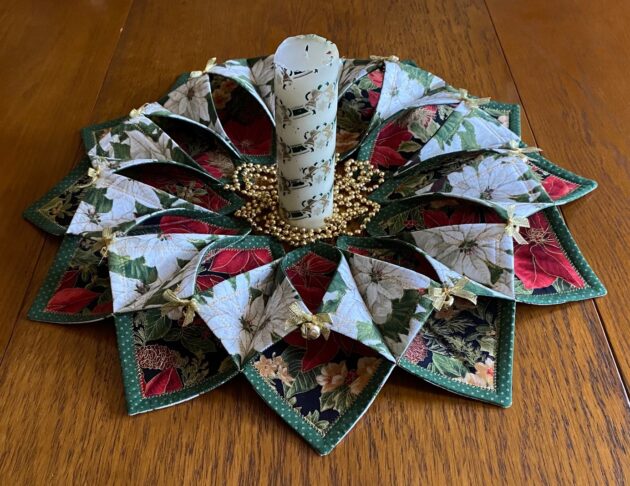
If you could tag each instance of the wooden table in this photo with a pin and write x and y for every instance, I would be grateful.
(69, 63)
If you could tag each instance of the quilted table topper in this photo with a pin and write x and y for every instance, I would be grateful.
(469, 225)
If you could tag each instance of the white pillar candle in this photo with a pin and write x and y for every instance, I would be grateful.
(305, 85)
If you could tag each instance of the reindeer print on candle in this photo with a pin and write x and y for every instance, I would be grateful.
(318, 99)
(311, 175)
(306, 84)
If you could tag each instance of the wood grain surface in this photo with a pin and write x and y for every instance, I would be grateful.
(62, 410)
(577, 99)
(54, 56)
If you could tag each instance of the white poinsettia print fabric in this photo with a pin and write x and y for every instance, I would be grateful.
(393, 297)
(404, 87)
(191, 99)
(482, 252)
(141, 265)
(235, 310)
(467, 128)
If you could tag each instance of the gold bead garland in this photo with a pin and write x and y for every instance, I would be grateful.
(352, 209)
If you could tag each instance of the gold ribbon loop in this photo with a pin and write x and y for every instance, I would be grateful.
(471, 102)
(209, 65)
(311, 325)
(137, 111)
(444, 297)
(512, 148)
(385, 58)
(107, 238)
(173, 302)
(514, 225)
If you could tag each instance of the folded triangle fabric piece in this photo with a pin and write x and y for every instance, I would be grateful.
(468, 225)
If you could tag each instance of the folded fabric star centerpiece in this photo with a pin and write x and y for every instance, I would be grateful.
(465, 224)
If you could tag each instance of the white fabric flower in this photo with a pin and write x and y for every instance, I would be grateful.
(379, 284)
(262, 73)
(231, 316)
(495, 179)
(400, 90)
(165, 253)
(236, 315)
(277, 313)
(467, 248)
(190, 99)
(144, 147)
(86, 218)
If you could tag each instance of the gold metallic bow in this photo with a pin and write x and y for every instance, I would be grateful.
(189, 306)
(513, 148)
(107, 239)
(472, 102)
(385, 58)
(311, 325)
(514, 225)
(137, 111)
(93, 173)
(444, 297)
(211, 62)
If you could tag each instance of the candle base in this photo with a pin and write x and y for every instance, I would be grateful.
(351, 210)
(310, 223)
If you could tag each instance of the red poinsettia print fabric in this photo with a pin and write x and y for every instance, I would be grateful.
(388, 141)
(183, 224)
(558, 188)
(311, 276)
(227, 262)
(541, 261)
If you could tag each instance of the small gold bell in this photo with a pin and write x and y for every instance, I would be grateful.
(310, 331)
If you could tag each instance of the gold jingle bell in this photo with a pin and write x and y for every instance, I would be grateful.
(310, 330)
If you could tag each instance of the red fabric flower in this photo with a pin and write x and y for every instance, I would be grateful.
(234, 261)
(311, 276)
(387, 143)
(359, 251)
(373, 98)
(69, 279)
(539, 263)
(434, 218)
(182, 183)
(165, 381)
(557, 187)
(204, 161)
(253, 138)
(71, 300)
(376, 77)
(207, 198)
(184, 224)
(229, 262)
(321, 350)
(204, 282)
